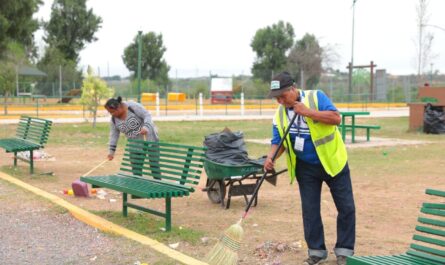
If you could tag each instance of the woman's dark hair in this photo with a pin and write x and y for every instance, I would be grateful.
(113, 103)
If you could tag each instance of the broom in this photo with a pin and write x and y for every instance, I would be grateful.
(225, 252)
(94, 168)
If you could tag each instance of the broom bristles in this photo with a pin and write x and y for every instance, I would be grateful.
(225, 252)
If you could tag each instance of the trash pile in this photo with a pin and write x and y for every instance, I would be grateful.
(38, 155)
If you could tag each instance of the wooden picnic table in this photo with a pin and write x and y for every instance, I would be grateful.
(352, 114)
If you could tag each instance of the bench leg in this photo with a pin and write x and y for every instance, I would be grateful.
(168, 212)
(15, 159)
(124, 205)
(368, 131)
(31, 161)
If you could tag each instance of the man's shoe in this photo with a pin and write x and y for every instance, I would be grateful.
(341, 260)
(314, 260)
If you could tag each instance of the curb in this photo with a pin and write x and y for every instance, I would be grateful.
(105, 225)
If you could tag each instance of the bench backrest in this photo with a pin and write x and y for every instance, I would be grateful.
(430, 232)
(35, 130)
(178, 165)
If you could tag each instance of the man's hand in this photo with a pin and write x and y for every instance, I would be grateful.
(144, 131)
(110, 157)
(268, 164)
(301, 109)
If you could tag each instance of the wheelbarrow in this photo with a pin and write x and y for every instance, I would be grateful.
(223, 177)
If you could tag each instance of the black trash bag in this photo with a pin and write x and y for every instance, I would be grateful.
(433, 120)
(229, 148)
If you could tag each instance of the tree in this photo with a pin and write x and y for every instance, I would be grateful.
(54, 64)
(153, 66)
(17, 23)
(70, 27)
(14, 56)
(94, 90)
(271, 45)
(305, 61)
(424, 39)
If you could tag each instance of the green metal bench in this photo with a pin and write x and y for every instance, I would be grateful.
(32, 134)
(154, 170)
(368, 128)
(429, 245)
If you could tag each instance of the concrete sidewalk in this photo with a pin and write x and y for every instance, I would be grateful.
(267, 115)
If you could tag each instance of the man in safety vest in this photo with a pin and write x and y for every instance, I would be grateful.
(315, 154)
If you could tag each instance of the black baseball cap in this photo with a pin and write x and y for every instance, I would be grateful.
(280, 83)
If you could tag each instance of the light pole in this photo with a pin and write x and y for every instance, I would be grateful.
(351, 65)
(139, 66)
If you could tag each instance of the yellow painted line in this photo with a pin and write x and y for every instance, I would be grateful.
(104, 225)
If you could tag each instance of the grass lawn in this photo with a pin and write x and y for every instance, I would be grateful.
(388, 183)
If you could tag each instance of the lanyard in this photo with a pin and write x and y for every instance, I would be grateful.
(298, 121)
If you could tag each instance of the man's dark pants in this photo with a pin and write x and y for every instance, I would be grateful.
(310, 179)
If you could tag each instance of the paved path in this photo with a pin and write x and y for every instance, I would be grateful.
(267, 115)
(34, 231)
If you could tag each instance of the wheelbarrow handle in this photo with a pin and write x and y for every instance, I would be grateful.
(260, 181)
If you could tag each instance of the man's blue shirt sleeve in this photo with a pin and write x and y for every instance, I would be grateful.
(324, 103)
(275, 135)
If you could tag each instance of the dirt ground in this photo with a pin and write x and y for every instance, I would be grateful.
(387, 208)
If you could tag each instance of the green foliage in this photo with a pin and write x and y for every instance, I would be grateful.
(153, 66)
(7, 78)
(306, 57)
(53, 61)
(70, 27)
(17, 23)
(254, 88)
(271, 45)
(13, 56)
(200, 86)
(94, 90)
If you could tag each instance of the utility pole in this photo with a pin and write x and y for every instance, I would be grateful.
(139, 65)
(351, 64)
(60, 83)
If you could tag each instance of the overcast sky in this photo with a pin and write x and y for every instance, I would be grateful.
(203, 36)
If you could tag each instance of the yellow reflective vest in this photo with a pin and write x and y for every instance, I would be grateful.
(326, 138)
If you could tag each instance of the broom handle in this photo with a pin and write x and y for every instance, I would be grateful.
(94, 168)
(260, 181)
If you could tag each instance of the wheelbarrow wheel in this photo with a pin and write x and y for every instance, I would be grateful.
(216, 191)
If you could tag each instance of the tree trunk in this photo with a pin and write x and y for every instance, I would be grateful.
(94, 116)
(5, 108)
(95, 111)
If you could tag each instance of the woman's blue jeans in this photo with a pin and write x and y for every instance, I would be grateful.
(310, 179)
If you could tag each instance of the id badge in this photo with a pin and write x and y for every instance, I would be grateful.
(299, 144)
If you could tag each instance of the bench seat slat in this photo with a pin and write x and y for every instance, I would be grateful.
(161, 176)
(362, 126)
(16, 145)
(433, 212)
(390, 260)
(440, 260)
(435, 192)
(188, 151)
(434, 205)
(178, 172)
(127, 158)
(429, 221)
(139, 187)
(136, 151)
(430, 240)
(428, 250)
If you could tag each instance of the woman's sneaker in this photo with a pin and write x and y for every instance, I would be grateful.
(314, 260)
